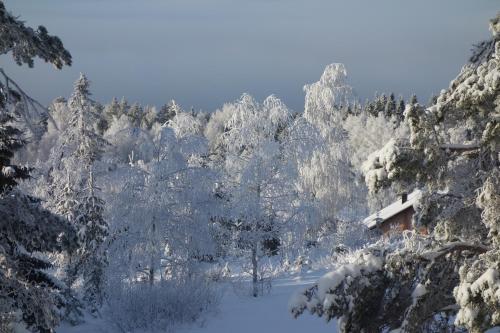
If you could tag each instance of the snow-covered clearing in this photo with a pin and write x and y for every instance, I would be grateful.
(242, 314)
(268, 313)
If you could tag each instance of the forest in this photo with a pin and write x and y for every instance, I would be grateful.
(138, 217)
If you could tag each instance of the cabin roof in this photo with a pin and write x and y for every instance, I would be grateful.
(393, 209)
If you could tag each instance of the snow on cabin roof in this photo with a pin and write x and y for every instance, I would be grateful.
(392, 209)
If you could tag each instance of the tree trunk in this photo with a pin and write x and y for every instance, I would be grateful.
(153, 248)
(152, 271)
(254, 270)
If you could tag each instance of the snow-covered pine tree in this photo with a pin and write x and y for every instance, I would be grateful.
(135, 115)
(390, 106)
(420, 283)
(369, 108)
(92, 233)
(166, 113)
(26, 289)
(400, 108)
(11, 140)
(124, 107)
(102, 123)
(71, 159)
(149, 117)
(112, 110)
(63, 199)
(87, 212)
(62, 193)
(28, 294)
(25, 43)
(81, 132)
(76, 149)
(413, 99)
(378, 104)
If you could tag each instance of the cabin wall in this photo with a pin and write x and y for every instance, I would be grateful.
(399, 222)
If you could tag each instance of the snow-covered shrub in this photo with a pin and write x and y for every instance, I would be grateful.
(335, 292)
(218, 273)
(389, 285)
(161, 306)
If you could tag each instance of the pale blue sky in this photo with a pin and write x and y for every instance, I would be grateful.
(206, 52)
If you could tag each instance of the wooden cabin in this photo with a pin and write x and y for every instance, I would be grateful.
(396, 217)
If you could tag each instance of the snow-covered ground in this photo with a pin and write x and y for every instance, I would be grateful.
(268, 313)
(244, 314)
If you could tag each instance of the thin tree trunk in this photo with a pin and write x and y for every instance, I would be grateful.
(254, 250)
(153, 248)
(254, 270)
(152, 272)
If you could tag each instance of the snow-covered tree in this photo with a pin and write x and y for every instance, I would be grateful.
(82, 127)
(11, 140)
(400, 108)
(64, 185)
(167, 112)
(25, 43)
(421, 282)
(149, 118)
(77, 147)
(112, 110)
(28, 293)
(168, 222)
(184, 124)
(77, 137)
(102, 123)
(390, 106)
(124, 106)
(260, 177)
(92, 232)
(330, 93)
(328, 174)
(126, 140)
(135, 114)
